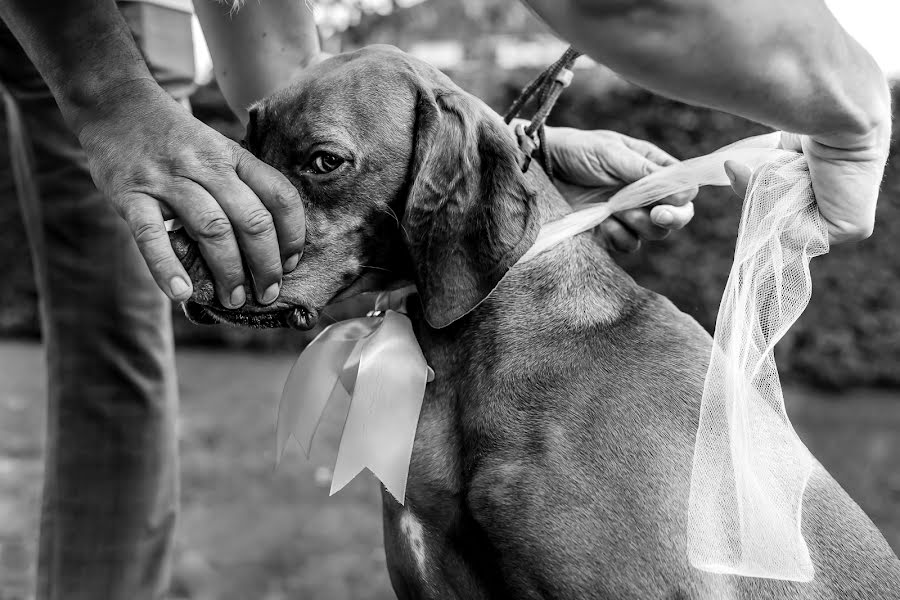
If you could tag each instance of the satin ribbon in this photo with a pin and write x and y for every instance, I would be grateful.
(687, 175)
(377, 362)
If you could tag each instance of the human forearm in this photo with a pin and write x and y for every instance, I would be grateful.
(259, 48)
(82, 48)
(786, 64)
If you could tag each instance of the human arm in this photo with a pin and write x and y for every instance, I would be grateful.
(258, 48)
(789, 65)
(146, 152)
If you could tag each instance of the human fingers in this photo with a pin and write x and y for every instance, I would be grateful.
(649, 150)
(739, 176)
(672, 217)
(205, 221)
(618, 236)
(282, 201)
(254, 228)
(143, 216)
(638, 221)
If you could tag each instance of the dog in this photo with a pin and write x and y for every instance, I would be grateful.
(553, 452)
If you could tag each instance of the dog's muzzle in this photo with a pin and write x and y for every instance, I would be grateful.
(204, 308)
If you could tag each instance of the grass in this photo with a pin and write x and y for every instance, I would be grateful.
(265, 534)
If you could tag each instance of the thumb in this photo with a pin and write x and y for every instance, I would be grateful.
(739, 176)
(630, 166)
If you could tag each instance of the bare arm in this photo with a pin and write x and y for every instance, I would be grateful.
(83, 50)
(145, 152)
(259, 48)
(787, 64)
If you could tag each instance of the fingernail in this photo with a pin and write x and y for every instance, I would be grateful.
(270, 294)
(730, 173)
(664, 217)
(291, 263)
(238, 297)
(179, 287)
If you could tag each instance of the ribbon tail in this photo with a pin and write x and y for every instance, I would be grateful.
(349, 461)
(311, 383)
(384, 411)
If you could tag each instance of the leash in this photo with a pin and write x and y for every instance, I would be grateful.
(547, 87)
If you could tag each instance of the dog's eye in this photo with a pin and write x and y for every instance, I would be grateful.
(323, 162)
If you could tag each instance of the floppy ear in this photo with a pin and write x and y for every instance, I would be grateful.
(470, 214)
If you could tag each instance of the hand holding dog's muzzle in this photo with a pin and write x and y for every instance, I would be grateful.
(145, 150)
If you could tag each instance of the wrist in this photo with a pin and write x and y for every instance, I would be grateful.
(83, 49)
(128, 99)
(82, 93)
(863, 102)
(864, 144)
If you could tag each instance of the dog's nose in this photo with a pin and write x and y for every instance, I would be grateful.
(183, 247)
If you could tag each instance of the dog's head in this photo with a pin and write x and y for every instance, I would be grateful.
(403, 176)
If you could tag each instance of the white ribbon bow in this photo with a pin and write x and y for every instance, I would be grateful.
(377, 361)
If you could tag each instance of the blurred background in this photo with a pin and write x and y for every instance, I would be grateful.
(257, 533)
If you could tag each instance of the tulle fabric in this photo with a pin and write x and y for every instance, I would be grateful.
(750, 469)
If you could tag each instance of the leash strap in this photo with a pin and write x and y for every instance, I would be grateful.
(547, 87)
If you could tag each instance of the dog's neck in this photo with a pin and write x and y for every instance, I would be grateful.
(548, 201)
(577, 276)
(575, 284)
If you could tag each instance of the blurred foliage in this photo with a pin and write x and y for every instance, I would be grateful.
(470, 22)
(849, 335)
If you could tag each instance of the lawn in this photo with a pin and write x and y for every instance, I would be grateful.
(265, 534)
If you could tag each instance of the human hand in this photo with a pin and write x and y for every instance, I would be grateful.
(155, 161)
(592, 165)
(845, 181)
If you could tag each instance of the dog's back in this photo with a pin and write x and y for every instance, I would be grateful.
(553, 459)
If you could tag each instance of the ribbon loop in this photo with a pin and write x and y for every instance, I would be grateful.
(377, 362)
(381, 423)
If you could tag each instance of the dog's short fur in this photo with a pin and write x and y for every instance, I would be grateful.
(554, 447)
